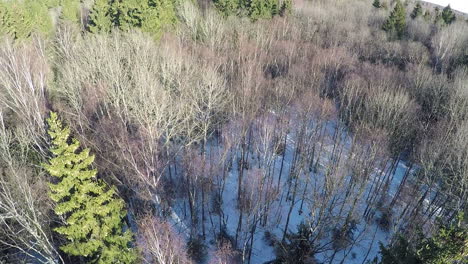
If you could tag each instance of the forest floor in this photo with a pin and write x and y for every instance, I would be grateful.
(366, 235)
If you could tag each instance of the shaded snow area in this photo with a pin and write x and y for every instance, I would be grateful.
(340, 185)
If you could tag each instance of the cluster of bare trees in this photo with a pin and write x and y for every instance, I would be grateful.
(226, 130)
(24, 207)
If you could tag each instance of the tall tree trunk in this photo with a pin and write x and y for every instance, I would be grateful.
(402, 185)
(282, 160)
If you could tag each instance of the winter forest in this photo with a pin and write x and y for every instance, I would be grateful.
(233, 131)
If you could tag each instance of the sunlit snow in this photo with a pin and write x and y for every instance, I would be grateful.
(460, 5)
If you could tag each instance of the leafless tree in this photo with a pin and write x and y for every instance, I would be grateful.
(24, 210)
(159, 242)
(24, 75)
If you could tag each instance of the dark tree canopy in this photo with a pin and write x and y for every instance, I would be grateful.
(417, 11)
(448, 16)
(396, 22)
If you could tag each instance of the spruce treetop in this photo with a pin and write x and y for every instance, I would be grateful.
(377, 4)
(448, 16)
(417, 11)
(396, 22)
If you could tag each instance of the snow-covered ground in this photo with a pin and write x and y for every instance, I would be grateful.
(460, 5)
(366, 236)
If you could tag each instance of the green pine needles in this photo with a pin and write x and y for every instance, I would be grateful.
(417, 11)
(448, 16)
(20, 19)
(377, 4)
(227, 7)
(92, 212)
(396, 22)
(448, 245)
(254, 9)
(151, 16)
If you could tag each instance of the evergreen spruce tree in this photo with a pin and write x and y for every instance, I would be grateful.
(396, 23)
(157, 16)
(399, 252)
(286, 7)
(227, 7)
(92, 212)
(100, 17)
(259, 9)
(274, 7)
(297, 247)
(448, 245)
(448, 16)
(70, 10)
(20, 19)
(377, 4)
(128, 14)
(255, 9)
(244, 4)
(417, 11)
(151, 16)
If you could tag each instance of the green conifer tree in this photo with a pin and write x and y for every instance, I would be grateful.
(396, 22)
(263, 9)
(158, 15)
(227, 7)
(448, 245)
(5, 18)
(20, 19)
(274, 7)
(286, 7)
(151, 16)
(448, 16)
(70, 10)
(399, 252)
(244, 4)
(297, 247)
(377, 4)
(100, 17)
(92, 212)
(417, 11)
(257, 10)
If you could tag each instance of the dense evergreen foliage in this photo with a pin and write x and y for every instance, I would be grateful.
(297, 247)
(255, 9)
(93, 215)
(396, 22)
(227, 7)
(447, 246)
(400, 252)
(377, 4)
(448, 16)
(151, 16)
(417, 11)
(20, 19)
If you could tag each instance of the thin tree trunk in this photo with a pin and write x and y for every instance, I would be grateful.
(282, 160)
(402, 185)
